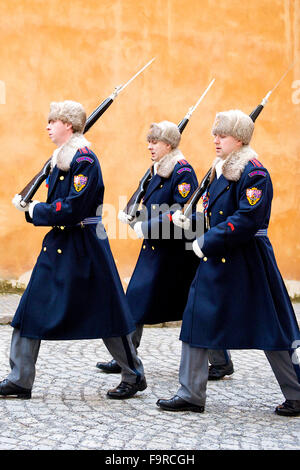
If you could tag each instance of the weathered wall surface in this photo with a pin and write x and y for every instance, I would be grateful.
(82, 49)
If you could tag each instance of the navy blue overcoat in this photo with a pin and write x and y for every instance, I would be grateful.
(160, 283)
(238, 299)
(75, 290)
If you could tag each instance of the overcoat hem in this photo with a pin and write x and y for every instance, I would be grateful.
(235, 347)
(75, 338)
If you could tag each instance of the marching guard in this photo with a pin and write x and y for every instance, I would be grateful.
(159, 286)
(158, 289)
(75, 291)
(238, 299)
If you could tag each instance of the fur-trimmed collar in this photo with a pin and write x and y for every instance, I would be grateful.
(67, 151)
(166, 165)
(234, 164)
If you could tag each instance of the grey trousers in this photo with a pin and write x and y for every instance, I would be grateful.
(193, 373)
(24, 353)
(216, 357)
(219, 357)
(136, 336)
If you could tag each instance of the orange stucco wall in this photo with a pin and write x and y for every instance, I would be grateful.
(82, 49)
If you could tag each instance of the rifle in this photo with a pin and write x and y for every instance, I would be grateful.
(134, 202)
(31, 188)
(198, 193)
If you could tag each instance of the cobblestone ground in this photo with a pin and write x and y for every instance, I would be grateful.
(69, 408)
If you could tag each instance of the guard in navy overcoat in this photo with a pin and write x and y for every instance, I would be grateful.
(159, 286)
(238, 299)
(75, 291)
(158, 289)
(238, 286)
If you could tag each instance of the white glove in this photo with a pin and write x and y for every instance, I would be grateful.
(138, 229)
(125, 218)
(181, 220)
(17, 203)
(197, 250)
(31, 207)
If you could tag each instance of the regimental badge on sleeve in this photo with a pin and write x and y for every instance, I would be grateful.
(253, 195)
(184, 189)
(80, 182)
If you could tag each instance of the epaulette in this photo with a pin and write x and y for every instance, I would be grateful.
(255, 162)
(257, 165)
(84, 150)
(183, 162)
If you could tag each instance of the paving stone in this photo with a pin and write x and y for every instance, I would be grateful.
(69, 409)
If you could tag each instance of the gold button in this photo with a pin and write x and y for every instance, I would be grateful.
(144, 247)
(59, 251)
(62, 227)
(209, 214)
(204, 259)
(161, 185)
(223, 260)
(221, 212)
(227, 187)
(153, 247)
(61, 178)
(45, 249)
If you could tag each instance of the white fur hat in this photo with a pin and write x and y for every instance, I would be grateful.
(68, 111)
(166, 131)
(235, 123)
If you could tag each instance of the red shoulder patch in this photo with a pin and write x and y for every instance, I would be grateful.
(256, 163)
(183, 162)
(84, 150)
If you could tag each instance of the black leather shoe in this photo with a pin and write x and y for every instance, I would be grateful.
(179, 404)
(289, 408)
(111, 367)
(218, 372)
(8, 389)
(126, 390)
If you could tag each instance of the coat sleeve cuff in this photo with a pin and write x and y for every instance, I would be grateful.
(197, 250)
(31, 208)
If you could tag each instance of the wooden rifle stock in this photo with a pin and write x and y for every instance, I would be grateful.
(33, 185)
(97, 113)
(256, 112)
(134, 202)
